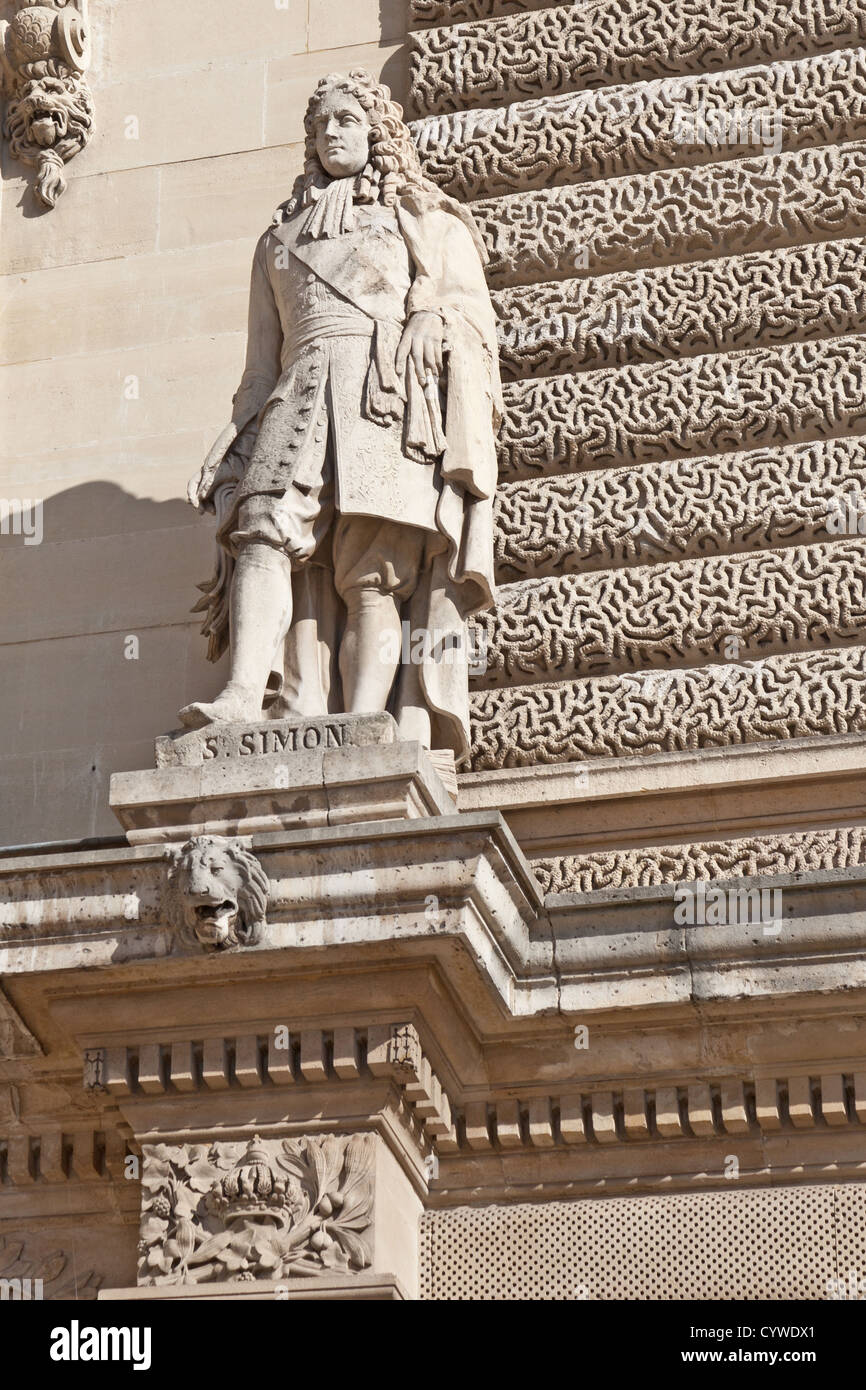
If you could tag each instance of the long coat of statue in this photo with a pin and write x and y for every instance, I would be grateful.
(333, 285)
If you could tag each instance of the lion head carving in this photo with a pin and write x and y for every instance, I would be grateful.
(216, 894)
(47, 123)
(44, 52)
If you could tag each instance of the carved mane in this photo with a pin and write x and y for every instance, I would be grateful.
(250, 886)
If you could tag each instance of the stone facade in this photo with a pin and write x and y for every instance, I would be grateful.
(587, 1019)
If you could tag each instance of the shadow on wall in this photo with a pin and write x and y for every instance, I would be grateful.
(395, 70)
(28, 204)
(100, 650)
(105, 509)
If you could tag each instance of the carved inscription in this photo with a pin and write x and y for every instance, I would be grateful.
(280, 739)
(274, 738)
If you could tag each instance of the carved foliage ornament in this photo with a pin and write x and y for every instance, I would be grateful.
(215, 894)
(24, 1277)
(45, 51)
(267, 1210)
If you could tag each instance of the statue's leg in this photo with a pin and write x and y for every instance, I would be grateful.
(414, 720)
(261, 613)
(370, 650)
(376, 568)
(310, 650)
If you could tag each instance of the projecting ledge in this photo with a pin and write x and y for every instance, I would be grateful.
(772, 936)
(454, 890)
(602, 805)
(358, 1288)
(450, 891)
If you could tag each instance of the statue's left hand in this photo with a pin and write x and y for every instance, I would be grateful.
(422, 341)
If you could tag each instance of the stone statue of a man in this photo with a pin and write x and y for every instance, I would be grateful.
(354, 486)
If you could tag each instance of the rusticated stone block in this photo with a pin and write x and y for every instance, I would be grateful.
(608, 518)
(664, 711)
(798, 852)
(668, 123)
(725, 209)
(677, 614)
(569, 47)
(759, 300)
(452, 11)
(703, 405)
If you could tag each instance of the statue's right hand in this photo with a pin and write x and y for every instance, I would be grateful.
(199, 487)
(216, 468)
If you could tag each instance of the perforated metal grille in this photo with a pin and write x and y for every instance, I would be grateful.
(757, 1244)
(851, 1242)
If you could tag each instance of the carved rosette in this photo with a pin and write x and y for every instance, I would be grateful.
(269, 1209)
(215, 894)
(45, 51)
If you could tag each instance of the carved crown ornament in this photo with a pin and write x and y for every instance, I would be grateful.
(44, 53)
(268, 1209)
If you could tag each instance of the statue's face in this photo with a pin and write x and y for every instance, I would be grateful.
(342, 135)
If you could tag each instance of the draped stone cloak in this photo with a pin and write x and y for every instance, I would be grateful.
(288, 407)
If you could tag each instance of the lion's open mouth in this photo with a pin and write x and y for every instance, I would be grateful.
(214, 920)
(212, 912)
(47, 127)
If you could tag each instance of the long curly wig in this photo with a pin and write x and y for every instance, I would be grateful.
(393, 168)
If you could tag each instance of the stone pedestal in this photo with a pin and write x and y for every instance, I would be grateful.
(281, 1111)
(243, 779)
(279, 1157)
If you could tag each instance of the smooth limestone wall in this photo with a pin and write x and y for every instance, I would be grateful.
(122, 338)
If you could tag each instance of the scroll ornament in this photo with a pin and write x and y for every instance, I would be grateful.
(44, 52)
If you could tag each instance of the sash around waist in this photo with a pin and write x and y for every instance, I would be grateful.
(313, 328)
